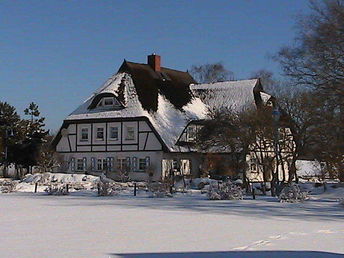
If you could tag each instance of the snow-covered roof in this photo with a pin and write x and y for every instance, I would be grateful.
(167, 120)
(236, 95)
(165, 99)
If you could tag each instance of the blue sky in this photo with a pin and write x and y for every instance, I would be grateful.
(56, 53)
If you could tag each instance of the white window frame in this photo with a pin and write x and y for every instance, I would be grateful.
(101, 164)
(111, 131)
(191, 132)
(254, 165)
(108, 99)
(176, 164)
(121, 163)
(97, 138)
(128, 133)
(142, 161)
(113, 100)
(82, 139)
(80, 162)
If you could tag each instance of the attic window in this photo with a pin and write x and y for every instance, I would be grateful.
(108, 102)
(191, 133)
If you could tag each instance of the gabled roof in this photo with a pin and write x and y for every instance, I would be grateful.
(167, 115)
(165, 98)
(236, 95)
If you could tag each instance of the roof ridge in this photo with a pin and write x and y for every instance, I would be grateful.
(162, 67)
(255, 79)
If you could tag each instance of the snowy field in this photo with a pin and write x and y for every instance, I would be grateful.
(188, 225)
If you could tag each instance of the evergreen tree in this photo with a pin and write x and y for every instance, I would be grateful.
(9, 125)
(28, 151)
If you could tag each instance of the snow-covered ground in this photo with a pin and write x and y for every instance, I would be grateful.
(187, 225)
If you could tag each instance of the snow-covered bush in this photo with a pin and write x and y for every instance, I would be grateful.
(225, 191)
(57, 189)
(108, 188)
(292, 193)
(7, 186)
(159, 190)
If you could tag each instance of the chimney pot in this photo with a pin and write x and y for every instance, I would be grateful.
(154, 61)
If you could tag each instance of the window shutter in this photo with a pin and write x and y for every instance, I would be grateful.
(72, 164)
(128, 163)
(134, 163)
(147, 161)
(109, 163)
(112, 163)
(93, 163)
(85, 163)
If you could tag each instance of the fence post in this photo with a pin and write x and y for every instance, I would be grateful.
(36, 184)
(67, 188)
(253, 193)
(134, 189)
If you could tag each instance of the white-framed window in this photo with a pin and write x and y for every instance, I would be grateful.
(130, 133)
(110, 163)
(142, 164)
(253, 165)
(108, 101)
(191, 133)
(175, 164)
(81, 164)
(100, 133)
(114, 133)
(121, 163)
(99, 164)
(84, 134)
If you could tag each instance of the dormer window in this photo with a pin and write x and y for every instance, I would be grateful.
(191, 133)
(108, 102)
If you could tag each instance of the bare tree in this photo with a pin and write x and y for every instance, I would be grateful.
(317, 61)
(210, 73)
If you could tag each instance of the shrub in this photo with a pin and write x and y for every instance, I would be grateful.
(225, 191)
(108, 189)
(7, 186)
(292, 193)
(57, 189)
(159, 190)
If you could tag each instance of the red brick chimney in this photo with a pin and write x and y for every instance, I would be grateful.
(154, 61)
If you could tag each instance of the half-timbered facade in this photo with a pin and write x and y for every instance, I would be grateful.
(132, 123)
(143, 120)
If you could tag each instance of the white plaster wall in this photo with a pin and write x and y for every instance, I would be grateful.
(72, 139)
(72, 129)
(155, 160)
(144, 126)
(153, 143)
(63, 144)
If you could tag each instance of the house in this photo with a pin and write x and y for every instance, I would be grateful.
(141, 120)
